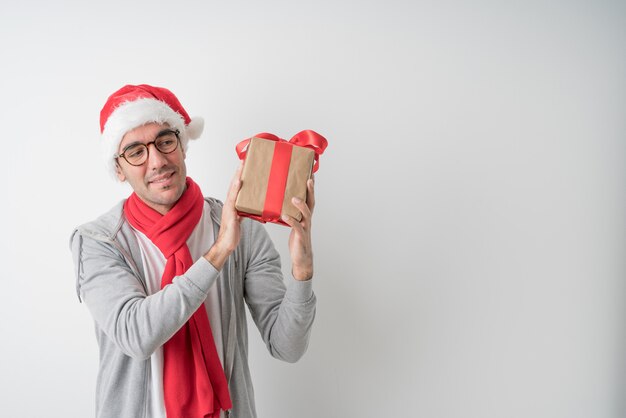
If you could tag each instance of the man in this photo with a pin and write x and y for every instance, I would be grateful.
(166, 272)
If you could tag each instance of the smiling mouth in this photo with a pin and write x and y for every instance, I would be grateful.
(164, 178)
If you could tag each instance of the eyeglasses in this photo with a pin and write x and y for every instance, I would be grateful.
(166, 142)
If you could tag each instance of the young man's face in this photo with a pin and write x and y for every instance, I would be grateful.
(160, 181)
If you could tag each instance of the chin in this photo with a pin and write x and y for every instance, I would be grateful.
(169, 196)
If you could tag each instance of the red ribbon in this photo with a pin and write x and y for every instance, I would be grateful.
(280, 168)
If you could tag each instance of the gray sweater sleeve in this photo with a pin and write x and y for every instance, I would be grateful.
(137, 323)
(283, 315)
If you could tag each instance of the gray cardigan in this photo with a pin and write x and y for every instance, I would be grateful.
(130, 324)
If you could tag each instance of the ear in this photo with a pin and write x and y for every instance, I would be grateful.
(120, 174)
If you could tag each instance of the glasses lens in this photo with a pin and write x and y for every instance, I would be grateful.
(167, 143)
(136, 154)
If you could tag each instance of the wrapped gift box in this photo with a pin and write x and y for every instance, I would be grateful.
(274, 171)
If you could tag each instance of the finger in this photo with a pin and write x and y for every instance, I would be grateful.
(294, 224)
(235, 185)
(303, 208)
(310, 196)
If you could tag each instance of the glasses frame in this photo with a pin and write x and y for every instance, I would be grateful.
(176, 132)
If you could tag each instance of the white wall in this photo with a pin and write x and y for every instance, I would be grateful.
(470, 229)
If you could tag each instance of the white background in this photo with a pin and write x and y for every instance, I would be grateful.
(470, 231)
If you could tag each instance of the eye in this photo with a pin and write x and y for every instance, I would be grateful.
(135, 152)
(168, 142)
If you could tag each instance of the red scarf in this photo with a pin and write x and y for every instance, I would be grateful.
(194, 383)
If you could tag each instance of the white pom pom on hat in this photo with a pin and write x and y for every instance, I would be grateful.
(134, 106)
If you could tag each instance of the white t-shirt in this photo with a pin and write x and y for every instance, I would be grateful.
(199, 243)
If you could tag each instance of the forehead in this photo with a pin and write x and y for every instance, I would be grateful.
(145, 133)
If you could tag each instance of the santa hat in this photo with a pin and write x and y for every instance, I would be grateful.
(134, 106)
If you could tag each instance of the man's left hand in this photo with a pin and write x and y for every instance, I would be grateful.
(300, 246)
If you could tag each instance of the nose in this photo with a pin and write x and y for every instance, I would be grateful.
(156, 160)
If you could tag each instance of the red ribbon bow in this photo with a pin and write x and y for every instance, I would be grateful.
(306, 138)
(278, 176)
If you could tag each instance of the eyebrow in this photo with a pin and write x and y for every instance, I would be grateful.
(160, 134)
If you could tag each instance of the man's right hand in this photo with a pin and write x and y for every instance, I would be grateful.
(230, 231)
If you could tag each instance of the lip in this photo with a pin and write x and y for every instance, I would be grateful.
(163, 179)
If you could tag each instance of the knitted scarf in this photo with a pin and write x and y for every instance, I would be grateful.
(194, 383)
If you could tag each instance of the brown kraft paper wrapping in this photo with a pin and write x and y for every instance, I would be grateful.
(256, 172)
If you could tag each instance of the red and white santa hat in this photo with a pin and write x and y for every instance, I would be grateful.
(134, 106)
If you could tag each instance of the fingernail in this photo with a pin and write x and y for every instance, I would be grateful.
(296, 200)
(285, 218)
